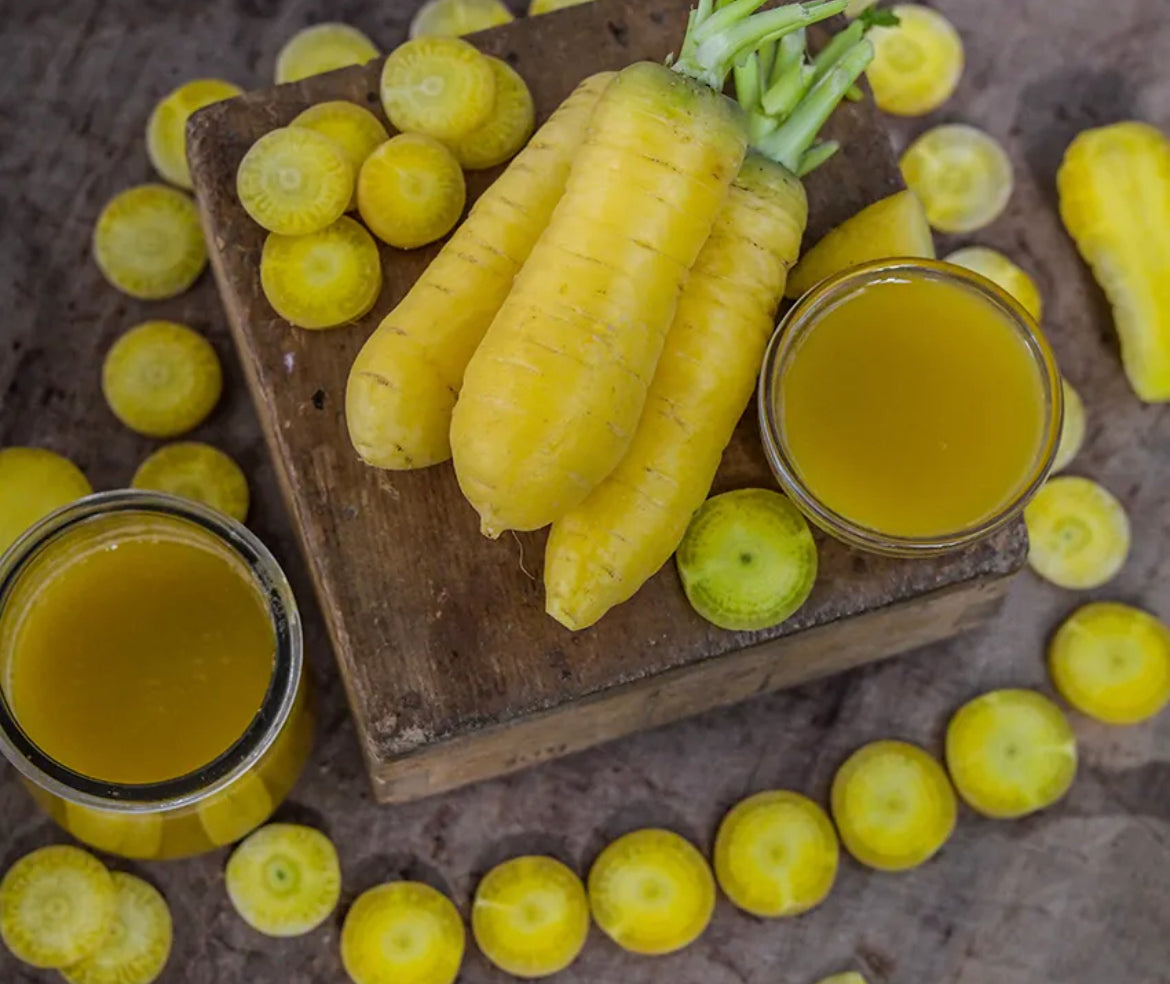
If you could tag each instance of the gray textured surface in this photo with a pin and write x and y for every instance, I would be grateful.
(1079, 894)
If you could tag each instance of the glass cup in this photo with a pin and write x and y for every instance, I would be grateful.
(218, 803)
(804, 318)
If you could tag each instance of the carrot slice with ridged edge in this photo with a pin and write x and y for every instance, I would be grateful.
(55, 906)
(284, 880)
(234, 812)
(530, 916)
(1079, 533)
(652, 892)
(747, 560)
(162, 379)
(1112, 662)
(1072, 432)
(776, 854)
(917, 64)
(453, 18)
(325, 279)
(1000, 270)
(893, 804)
(323, 48)
(1011, 753)
(33, 483)
(506, 130)
(962, 175)
(137, 943)
(148, 242)
(411, 191)
(441, 87)
(166, 130)
(132, 835)
(199, 472)
(402, 933)
(354, 129)
(295, 181)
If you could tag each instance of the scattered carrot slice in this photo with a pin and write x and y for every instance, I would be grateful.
(1001, 271)
(452, 18)
(323, 48)
(917, 64)
(34, 482)
(1079, 533)
(506, 130)
(166, 130)
(137, 943)
(538, 7)
(1112, 662)
(961, 174)
(441, 87)
(411, 191)
(1072, 433)
(850, 977)
(354, 129)
(198, 472)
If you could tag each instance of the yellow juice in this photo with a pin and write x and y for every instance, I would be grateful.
(913, 407)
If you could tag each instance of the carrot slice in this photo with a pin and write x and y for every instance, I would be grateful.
(849, 977)
(917, 64)
(453, 18)
(441, 87)
(961, 174)
(506, 130)
(1001, 271)
(166, 130)
(137, 943)
(1112, 662)
(198, 472)
(323, 48)
(538, 7)
(34, 482)
(1072, 432)
(354, 129)
(1079, 533)
(411, 191)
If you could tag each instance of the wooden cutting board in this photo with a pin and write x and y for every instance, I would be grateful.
(453, 671)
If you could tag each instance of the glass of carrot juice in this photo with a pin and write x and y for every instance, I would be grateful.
(909, 407)
(152, 693)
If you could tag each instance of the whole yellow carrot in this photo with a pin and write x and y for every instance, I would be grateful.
(404, 382)
(551, 398)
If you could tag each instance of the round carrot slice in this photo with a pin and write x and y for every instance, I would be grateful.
(132, 835)
(353, 128)
(452, 18)
(537, 7)
(166, 130)
(33, 483)
(748, 560)
(137, 943)
(325, 279)
(1079, 533)
(322, 48)
(284, 880)
(148, 242)
(1112, 662)
(849, 977)
(234, 812)
(442, 87)
(55, 906)
(893, 805)
(162, 379)
(507, 129)
(295, 181)
(917, 64)
(1011, 753)
(1001, 271)
(961, 174)
(411, 191)
(1072, 432)
(652, 892)
(199, 472)
(776, 854)
(402, 933)
(530, 916)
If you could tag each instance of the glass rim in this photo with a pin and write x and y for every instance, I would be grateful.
(804, 315)
(275, 709)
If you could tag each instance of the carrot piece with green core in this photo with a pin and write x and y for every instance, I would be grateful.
(439, 86)
(1079, 533)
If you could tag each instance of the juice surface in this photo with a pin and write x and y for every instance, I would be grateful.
(913, 407)
(136, 650)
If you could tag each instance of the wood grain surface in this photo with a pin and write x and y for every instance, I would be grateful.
(440, 633)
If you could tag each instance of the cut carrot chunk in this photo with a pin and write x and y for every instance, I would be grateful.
(166, 131)
(55, 906)
(411, 191)
(962, 175)
(530, 916)
(1112, 662)
(441, 87)
(198, 472)
(323, 48)
(33, 483)
(538, 7)
(850, 977)
(1079, 533)
(295, 181)
(354, 129)
(1001, 271)
(132, 835)
(748, 560)
(1011, 753)
(137, 943)
(917, 64)
(506, 130)
(236, 811)
(452, 18)
(402, 933)
(652, 892)
(776, 854)
(148, 242)
(1072, 432)
(893, 804)
(284, 880)
(162, 379)
(322, 280)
